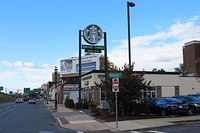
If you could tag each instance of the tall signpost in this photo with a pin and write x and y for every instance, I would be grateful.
(92, 34)
(115, 88)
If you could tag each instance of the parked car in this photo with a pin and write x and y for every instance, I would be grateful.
(165, 106)
(193, 103)
(32, 101)
(19, 100)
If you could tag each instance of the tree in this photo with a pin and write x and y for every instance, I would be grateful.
(180, 69)
(110, 64)
(130, 87)
(158, 70)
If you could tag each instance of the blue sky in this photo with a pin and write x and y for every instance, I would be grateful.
(36, 34)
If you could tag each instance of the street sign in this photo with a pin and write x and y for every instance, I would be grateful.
(115, 85)
(93, 50)
(93, 47)
(115, 75)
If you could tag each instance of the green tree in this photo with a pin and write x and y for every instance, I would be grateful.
(110, 64)
(158, 70)
(130, 87)
(179, 69)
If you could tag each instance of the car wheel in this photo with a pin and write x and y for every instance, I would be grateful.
(190, 111)
(163, 112)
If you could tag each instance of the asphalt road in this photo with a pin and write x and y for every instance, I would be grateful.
(187, 127)
(28, 118)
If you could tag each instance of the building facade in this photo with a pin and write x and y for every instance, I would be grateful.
(191, 57)
(160, 85)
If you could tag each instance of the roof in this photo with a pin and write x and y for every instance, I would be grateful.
(192, 42)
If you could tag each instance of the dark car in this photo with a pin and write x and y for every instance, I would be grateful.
(193, 103)
(165, 106)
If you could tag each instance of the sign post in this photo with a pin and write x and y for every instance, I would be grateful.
(1, 88)
(115, 89)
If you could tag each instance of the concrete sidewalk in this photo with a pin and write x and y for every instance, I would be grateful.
(80, 121)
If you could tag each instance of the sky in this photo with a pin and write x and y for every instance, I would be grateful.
(36, 34)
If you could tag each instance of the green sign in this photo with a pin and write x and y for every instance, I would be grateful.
(26, 90)
(115, 75)
(93, 50)
(93, 47)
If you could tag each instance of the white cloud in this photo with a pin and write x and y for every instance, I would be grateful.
(25, 74)
(7, 74)
(160, 50)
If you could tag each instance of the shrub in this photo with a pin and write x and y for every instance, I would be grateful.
(82, 105)
(69, 103)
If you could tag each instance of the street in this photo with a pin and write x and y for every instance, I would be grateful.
(190, 127)
(37, 118)
(28, 118)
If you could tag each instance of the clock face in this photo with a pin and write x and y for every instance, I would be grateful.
(92, 34)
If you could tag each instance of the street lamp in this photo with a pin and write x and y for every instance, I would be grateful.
(129, 4)
(55, 80)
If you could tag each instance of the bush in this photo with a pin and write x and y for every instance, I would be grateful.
(95, 110)
(138, 108)
(82, 105)
(69, 103)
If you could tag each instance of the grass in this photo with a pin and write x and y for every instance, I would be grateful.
(5, 98)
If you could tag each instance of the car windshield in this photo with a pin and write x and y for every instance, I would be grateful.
(172, 100)
(191, 98)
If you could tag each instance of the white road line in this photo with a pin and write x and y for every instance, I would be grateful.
(134, 132)
(2, 113)
(155, 131)
(79, 132)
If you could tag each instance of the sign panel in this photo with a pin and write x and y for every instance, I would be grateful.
(94, 47)
(92, 34)
(115, 75)
(93, 50)
(71, 87)
(27, 90)
(88, 63)
(115, 85)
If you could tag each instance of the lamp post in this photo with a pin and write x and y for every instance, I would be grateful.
(129, 4)
(55, 80)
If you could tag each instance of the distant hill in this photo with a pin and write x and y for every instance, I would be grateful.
(5, 98)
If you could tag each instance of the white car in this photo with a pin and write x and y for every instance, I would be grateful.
(32, 101)
(19, 100)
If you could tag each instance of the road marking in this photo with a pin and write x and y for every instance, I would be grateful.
(79, 132)
(2, 113)
(155, 131)
(10, 109)
(46, 132)
(135, 132)
(150, 131)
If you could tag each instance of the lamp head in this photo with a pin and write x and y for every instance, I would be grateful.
(55, 69)
(131, 4)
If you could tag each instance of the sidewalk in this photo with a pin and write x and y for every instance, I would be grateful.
(80, 121)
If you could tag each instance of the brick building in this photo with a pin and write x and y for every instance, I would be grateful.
(191, 57)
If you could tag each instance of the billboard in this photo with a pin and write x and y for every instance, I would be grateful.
(88, 63)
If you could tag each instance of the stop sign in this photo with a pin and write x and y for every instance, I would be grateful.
(115, 85)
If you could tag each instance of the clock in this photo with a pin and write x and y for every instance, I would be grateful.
(92, 34)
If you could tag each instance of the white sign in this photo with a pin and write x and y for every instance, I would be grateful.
(88, 63)
(115, 85)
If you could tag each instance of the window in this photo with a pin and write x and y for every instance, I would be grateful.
(150, 92)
